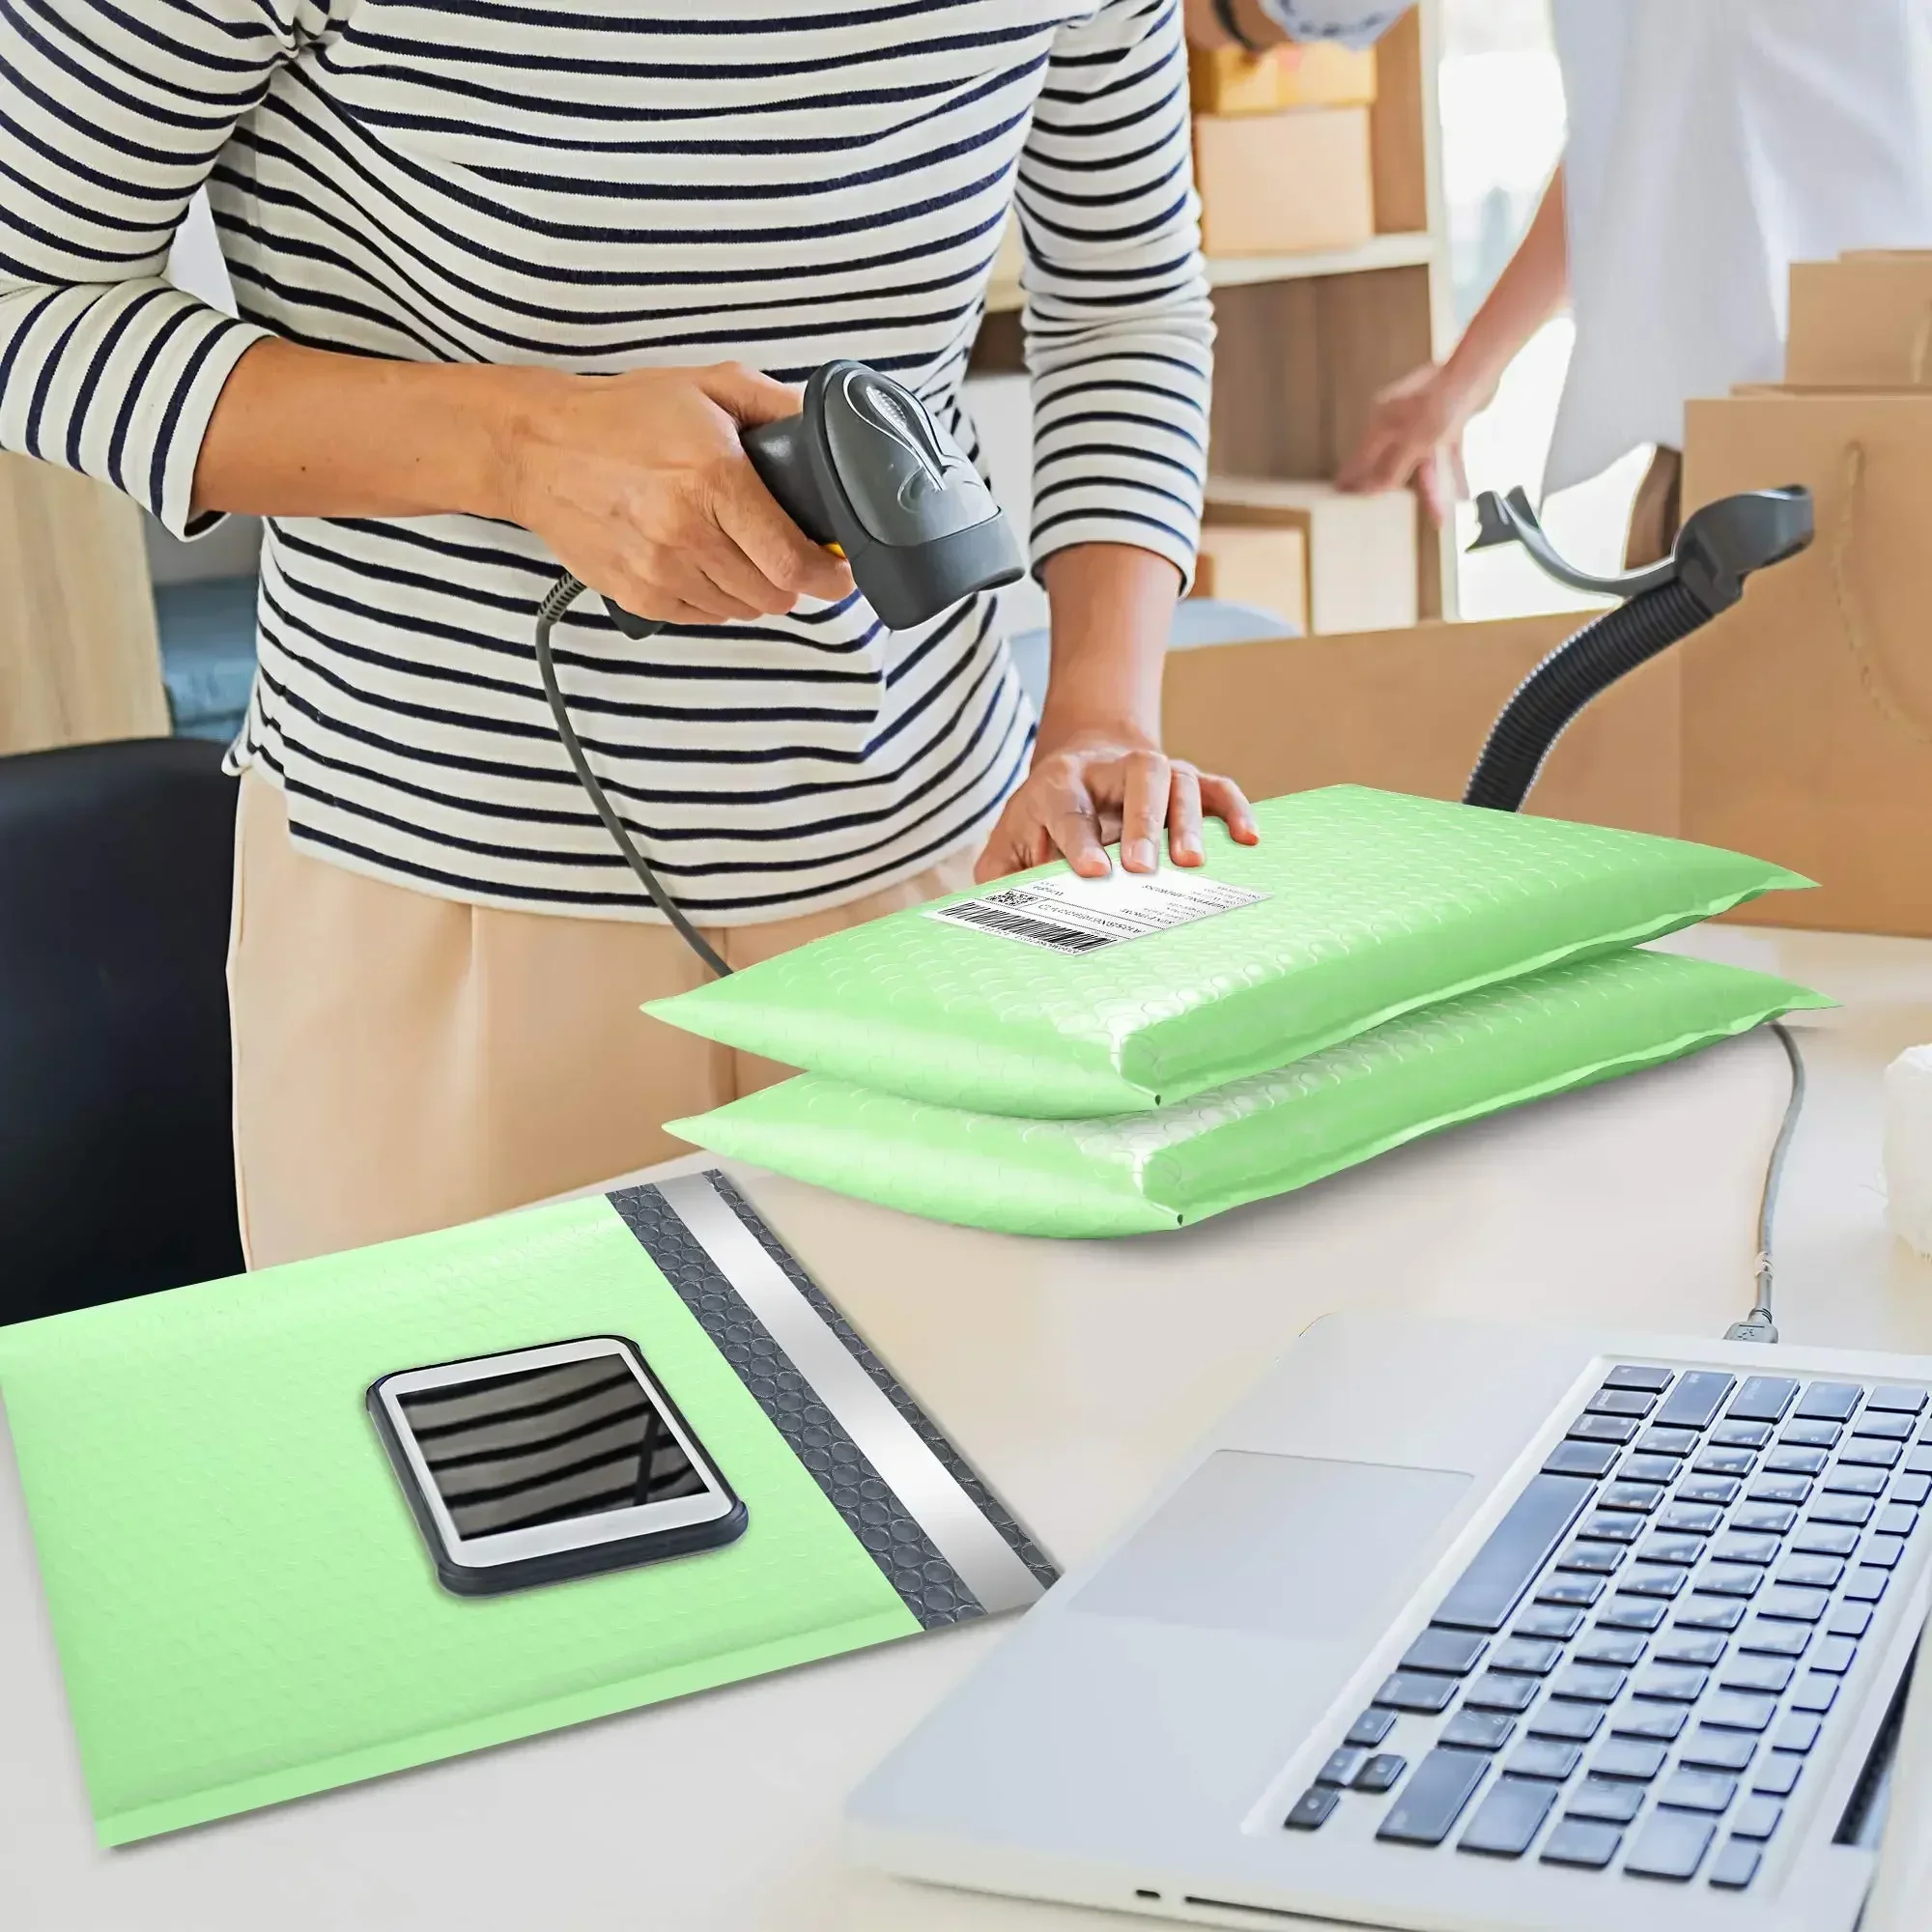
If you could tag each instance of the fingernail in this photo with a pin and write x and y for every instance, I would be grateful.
(1187, 851)
(1139, 856)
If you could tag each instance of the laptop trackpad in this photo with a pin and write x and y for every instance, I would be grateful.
(1279, 1545)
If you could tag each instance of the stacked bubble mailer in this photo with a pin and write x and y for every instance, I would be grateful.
(1052, 1054)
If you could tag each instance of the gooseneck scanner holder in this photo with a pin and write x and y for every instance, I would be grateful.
(1718, 547)
(863, 469)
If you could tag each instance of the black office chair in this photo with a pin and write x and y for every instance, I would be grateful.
(116, 1171)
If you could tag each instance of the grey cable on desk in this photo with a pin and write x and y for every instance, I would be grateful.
(562, 594)
(1758, 1325)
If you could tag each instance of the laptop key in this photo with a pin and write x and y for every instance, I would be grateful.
(1615, 1429)
(1411, 1691)
(1729, 1579)
(1765, 1675)
(1370, 1728)
(1883, 1552)
(1774, 1639)
(1341, 1767)
(1638, 1375)
(1831, 1402)
(1310, 1811)
(1716, 1462)
(1718, 1750)
(1508, 1818)
(1630, 1613)
(1736, 1546)
(1736, 1865)
(1659, 1547)
(1919, 1462)
(1590, 1684)
(1865, 1585)
(1902, 1401)
(1695, 1648)
(1660, 1722)
(1812, 1434)
(1800, 1607)
(1582, 1459)
(1895, 1519)
(1612, 1400)
(1698, 1791)
(1769, 1518)
(1872, 1452)
(1849, 1620)
(1597, 1559)
(1824, 1538)
(1483, 1597)
(1642, 1497)
(1671, 1683)
(1494, 1691)
(1909, 1489)
(1630, 1759)
(1692, 1519)
(1433, 1797)
(1731, 1435)
(1618, 1647)
(1656, 1441)
(1608, 1802)
(1892, 1428)
(1709, 1489)
(1756, 1818)
(1780, 1490)
(1478, 1730)
(1711, 1613)
(1695, 1403)
(1816, 1693)
(1565, 1588)
(1762, 1398)
(1548, 1620)
(1787, 1460)
(1641, 1468)
(1533, 1657)
(1381, 1772)
(1797, 1733)
(1568, 1723)
(1835, 1654)
(1671, 1845)
(1447, 1653)
(1812, 1573)
(1776, 1775)
(1739, 1711)
(1854, 1510)
(1650, 1579)
(1841, 1481)
(1576, 1843)
(1545, 1757)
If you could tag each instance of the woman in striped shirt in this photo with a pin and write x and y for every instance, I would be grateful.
(507, 275)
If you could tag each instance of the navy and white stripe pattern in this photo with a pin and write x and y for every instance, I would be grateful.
(519, 181)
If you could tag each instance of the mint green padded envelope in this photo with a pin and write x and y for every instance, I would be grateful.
(245, 1611)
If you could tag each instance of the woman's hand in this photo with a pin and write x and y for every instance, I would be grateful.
(1106, 783)
(1415, 434)
(640, 487)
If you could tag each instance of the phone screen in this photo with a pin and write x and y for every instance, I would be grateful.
(545, 1446)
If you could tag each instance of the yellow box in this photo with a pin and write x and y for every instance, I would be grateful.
(1230, 80)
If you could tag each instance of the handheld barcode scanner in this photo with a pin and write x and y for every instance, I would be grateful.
(1718, 547)
(863, 469)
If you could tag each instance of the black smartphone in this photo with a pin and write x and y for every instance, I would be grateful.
(547, 1464)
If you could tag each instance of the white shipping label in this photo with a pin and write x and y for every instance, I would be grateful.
(1066, 913)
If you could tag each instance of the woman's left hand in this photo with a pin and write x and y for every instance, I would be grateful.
(1095, 786)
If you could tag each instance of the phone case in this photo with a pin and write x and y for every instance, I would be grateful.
(492, 1580)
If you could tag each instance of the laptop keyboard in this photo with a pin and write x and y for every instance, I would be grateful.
(1636, 1670)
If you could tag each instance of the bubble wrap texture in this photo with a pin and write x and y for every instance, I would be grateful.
(243, 1607)
(930, 1586)
(1377, 903)
(1568, 1027)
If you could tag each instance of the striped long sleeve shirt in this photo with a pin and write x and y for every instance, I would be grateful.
(772, 181)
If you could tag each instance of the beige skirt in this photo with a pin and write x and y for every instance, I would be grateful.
(405, 1062)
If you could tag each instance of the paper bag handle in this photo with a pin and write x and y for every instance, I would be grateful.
(1895, 710)
(1919, 356)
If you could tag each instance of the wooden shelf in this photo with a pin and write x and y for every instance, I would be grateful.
(1232, 272)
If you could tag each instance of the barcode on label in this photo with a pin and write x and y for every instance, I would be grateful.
(1016, 926)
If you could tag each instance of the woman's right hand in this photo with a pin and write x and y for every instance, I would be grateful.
(638, 485)
(1415, 434)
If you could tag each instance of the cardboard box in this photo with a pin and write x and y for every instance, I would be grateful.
(1230, 80)
(1410, 710)
(1284, 183)
(1360, 550)
(1863, 322)
(1263, 568)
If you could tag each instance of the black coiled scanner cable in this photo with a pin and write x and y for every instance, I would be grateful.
(1718, 547)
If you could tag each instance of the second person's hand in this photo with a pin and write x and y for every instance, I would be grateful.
(1415, 435)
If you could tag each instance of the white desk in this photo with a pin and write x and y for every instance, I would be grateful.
(1071, 1373)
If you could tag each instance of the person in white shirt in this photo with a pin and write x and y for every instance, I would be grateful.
(1709, 148)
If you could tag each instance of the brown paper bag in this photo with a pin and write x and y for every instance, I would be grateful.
(1863, 322)
(1808, 708)
(1409, 710)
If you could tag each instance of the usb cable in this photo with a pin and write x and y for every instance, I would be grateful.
(1758, 1325)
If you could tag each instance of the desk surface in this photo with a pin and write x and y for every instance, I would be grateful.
(1072, 1374)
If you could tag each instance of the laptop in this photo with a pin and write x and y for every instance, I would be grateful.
(1472, 1627)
